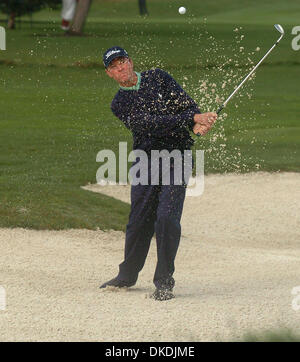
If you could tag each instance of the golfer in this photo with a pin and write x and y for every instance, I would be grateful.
(160, 116)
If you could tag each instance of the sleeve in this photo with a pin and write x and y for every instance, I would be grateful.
(183, 103)
(159, 125)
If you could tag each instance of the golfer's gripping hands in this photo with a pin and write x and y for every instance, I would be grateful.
(204, 122)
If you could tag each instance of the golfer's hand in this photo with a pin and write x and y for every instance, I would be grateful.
(204, 122)
(205, 119)
(200, 130)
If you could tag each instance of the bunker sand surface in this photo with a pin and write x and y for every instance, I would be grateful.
(238, 261)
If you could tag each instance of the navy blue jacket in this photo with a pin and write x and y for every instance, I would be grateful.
(159, 113)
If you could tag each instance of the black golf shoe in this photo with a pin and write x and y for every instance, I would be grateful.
(117, 283)
(163, 294)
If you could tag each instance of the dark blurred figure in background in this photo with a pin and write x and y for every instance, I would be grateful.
(143, 7)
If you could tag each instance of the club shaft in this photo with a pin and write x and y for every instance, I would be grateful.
(244, 80)
(252, 71)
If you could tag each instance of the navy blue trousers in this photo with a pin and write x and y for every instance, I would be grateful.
(154, 209)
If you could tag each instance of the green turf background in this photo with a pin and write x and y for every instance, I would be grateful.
(55, 99)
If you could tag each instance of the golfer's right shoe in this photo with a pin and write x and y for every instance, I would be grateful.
(117, 283)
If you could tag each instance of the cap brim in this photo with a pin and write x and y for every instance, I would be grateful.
(114, 56)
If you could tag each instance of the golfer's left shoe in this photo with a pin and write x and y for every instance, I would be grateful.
(162, 294)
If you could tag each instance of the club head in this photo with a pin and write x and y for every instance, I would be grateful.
(279, 28)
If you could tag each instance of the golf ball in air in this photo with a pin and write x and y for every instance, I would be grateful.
(182, 10)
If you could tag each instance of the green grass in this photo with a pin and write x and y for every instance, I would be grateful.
(55, 100)
(281, 335)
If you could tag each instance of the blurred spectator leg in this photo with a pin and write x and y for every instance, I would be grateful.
(143, 7)
(67, 13)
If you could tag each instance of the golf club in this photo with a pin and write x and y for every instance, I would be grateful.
(281, 31)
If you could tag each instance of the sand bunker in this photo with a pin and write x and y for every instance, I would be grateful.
(237, 264)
